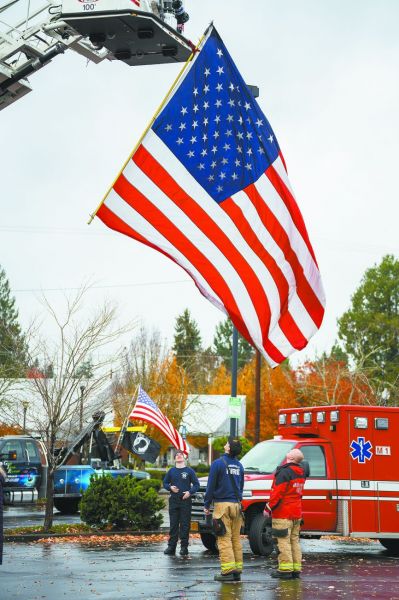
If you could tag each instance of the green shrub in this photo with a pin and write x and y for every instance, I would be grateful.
(202, 468)
(220, 442)
(155, 484)
(122, 503)
(154, 474)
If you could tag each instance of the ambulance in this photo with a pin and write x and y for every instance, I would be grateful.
(352, 487)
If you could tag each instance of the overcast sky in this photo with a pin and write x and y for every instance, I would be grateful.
(328, 77)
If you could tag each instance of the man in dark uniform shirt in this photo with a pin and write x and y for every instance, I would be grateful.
(182, 483)
(224, 489)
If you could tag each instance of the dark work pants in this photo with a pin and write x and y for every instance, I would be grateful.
(179, 516)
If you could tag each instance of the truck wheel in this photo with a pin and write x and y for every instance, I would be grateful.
(391, 545)
(260, 536)
(67, 506)
(209, 541)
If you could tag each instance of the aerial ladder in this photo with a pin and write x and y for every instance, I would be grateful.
(136, 32)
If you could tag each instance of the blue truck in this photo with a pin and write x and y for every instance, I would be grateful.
(25, 462)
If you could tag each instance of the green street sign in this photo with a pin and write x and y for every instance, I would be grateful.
(234, 408)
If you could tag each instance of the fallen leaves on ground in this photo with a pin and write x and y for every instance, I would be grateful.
(335, 538)
(106, 540)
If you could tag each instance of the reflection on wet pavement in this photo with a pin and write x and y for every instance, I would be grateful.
(332, 570)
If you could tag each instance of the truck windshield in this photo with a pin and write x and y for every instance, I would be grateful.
(266, 456)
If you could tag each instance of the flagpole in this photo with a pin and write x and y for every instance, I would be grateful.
(150, 124)
(125, 422)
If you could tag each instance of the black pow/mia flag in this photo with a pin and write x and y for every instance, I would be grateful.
(142, 445)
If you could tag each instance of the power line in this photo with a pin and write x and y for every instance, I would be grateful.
(100, 287)
(52, 230)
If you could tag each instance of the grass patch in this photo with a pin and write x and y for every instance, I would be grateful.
(63, 528)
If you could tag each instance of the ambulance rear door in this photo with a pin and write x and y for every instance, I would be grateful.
(386, 472)
(361, 484)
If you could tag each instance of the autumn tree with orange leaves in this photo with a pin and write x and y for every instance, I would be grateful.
(277, 391)
(330, 381)
(9, 430)
(149, 363)
(324, 381)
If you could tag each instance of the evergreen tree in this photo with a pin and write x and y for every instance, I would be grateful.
(13, 349)
(187, 343)
(223, 345)
(187, 338)
(369, 330)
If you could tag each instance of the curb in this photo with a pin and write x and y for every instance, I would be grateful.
(32, 537)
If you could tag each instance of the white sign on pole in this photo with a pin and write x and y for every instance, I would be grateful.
(234, 408)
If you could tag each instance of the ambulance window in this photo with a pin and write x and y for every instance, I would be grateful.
(316, 459)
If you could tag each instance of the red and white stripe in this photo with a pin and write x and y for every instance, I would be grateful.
(143, 412)
(249, 255)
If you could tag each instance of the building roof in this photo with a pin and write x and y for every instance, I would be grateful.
(209, 415)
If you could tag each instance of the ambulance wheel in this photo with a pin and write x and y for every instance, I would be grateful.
(391, 545)
(260, 536)
(67, 506)
(209, 541)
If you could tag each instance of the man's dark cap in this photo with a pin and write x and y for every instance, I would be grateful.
(235, 446)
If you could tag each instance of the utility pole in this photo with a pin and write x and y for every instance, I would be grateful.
(234, 361)
(234, 371)
(258, 364)
(25, 405)
(82, 390)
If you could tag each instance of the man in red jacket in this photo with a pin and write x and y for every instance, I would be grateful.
(285, 505)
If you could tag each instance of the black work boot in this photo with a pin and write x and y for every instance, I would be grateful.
(170, 551)
(296, 575)
(225, 577)
(237, 575)
(281, 574)
(183, 551)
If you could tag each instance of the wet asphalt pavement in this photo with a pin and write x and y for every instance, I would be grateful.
(332, 570)
(28, 515)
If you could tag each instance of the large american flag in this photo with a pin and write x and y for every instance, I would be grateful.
(146, 410)
(208, 188)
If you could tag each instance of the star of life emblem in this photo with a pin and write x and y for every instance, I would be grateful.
(361, 450)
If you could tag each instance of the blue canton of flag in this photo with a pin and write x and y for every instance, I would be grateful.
(215, 127)
(361, 450)
(144, 398)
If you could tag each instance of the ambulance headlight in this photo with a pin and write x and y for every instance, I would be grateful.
(334, 416)
(282, 419)
(321, 417)
(294, 418)
(361, 422)
(307, 417)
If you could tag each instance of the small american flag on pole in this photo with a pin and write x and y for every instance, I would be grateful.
(207, 186)
(146, 410)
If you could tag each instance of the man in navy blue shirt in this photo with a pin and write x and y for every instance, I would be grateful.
(225, 486)
(182, 483)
